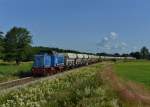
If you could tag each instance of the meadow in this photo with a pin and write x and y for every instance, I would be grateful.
(81, 88)
(136, 71)
(9, 70)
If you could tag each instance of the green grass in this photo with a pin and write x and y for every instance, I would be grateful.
(137, 71)
(10, 70)
(81, 88)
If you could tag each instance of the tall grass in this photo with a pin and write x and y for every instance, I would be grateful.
(9, 70)
(82, 88)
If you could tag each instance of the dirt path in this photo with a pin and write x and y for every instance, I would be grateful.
(129, 92)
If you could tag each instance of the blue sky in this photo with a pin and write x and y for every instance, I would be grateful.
(85, 25)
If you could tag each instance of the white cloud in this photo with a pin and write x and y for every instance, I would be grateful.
(106, 38)
(123, 44)
(113, 35)
(112, 43)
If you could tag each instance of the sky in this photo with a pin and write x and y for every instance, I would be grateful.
(85, 25)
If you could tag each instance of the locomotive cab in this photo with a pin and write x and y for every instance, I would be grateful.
(45, 64)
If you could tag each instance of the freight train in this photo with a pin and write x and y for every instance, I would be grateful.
(49, 64)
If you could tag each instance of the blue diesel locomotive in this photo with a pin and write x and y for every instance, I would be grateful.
(45, 64)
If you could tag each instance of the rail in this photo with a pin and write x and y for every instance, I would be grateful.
(9, 84)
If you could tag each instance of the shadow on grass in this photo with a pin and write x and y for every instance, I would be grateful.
(23, 74)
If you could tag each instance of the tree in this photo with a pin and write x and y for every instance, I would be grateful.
(17, 40)
(125, 55)
(135, 55)
(144, 53)
(1, 43)
(116, 55)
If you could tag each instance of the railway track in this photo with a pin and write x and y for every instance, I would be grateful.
(13, 83)
(29, 80)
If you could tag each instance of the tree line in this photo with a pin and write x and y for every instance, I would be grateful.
(142, 54)
(16, 45)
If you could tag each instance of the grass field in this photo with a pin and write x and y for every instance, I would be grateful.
(81, 88)
(10, 70)
(137, 71)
